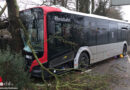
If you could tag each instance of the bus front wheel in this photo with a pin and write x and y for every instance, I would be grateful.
(83, 60)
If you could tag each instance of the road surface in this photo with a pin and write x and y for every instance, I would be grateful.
(120, 67)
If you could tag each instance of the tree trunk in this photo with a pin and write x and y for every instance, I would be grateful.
(84, 6)
(102, 8)
(54, 2)
(77, 5)
(93, 5)
(63, 3)
(13, 13)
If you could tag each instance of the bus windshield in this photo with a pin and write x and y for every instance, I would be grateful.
(33, 22)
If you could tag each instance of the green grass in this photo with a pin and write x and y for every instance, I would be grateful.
(79, 81)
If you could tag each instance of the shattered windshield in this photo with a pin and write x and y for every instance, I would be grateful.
(33, 21)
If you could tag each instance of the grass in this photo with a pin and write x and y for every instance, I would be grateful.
(79, 81)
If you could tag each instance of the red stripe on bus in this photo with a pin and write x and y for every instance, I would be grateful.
(0, 79)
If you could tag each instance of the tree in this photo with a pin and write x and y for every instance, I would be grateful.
(84, 6)
(102, 7)
(115, 13)
(77, 5)
(60, 2)
(13, 14)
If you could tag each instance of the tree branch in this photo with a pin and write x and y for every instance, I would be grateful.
(3, 9)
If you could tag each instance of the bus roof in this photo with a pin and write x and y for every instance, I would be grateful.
(89, 15)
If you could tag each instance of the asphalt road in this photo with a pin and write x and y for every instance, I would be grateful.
(120, 67)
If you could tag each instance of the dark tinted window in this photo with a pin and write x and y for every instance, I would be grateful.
(59, 33)
(102, 31)
(113, 32)
(90, 31)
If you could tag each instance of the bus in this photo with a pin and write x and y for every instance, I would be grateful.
(67, 39)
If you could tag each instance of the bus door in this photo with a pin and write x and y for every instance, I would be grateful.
(59, 41)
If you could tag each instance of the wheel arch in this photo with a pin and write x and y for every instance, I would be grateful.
(81, 50)
(125, 44)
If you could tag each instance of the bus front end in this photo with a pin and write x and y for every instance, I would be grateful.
(33, 20)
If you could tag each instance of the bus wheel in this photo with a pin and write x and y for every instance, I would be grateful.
(83, 61)
(124, 50)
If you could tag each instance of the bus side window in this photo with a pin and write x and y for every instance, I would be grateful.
(102, 32)
(58, 31)
(51, 26)
(113, 30)
(66, 31)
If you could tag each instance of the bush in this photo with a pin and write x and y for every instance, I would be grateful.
(12, 70)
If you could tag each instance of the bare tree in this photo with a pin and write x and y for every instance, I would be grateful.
(115, 13)
(84, 6)
(102, 7)
(93, 5)
(77, 5)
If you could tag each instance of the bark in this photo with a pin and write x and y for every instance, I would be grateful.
(93, 5)
(77, 5)
(84, 6)
(102, 8)
(62, 3)
(54, 2)
(66, 2)
(13, 13)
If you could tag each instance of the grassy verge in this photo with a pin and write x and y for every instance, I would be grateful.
(80, 81)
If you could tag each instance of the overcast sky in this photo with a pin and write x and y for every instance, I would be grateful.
(31, 3)
(126, 12)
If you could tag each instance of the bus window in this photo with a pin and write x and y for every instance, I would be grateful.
(62, 34)
(113, 32)
(102, 32)
(57, 41)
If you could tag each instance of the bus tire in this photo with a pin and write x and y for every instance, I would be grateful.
(124, 50)
(83, 61)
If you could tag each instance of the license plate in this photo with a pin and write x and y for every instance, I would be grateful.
(28, 57)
